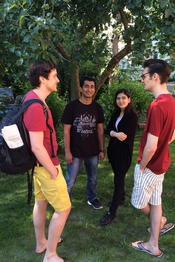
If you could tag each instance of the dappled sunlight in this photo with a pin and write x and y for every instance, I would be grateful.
(110, 174)
(83, 237)
(127, 175)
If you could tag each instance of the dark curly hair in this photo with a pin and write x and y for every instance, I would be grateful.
(39, 68)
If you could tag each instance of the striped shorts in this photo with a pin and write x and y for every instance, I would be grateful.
(147, 188)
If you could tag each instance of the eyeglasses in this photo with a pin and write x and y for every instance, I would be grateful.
(143, 76)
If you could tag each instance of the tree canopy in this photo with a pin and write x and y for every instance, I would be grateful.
(75, 35)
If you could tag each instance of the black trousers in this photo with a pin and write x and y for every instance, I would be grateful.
(119, 184)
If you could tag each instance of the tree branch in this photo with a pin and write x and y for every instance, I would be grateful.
(125, 22)
(124, 18)
(111, 65)
(116, 58)
(63, 51)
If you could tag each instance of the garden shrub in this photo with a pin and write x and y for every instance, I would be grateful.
(6, 100)
(57, 104)
(140, 98)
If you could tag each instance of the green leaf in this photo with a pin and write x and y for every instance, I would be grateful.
(18, 53)
(20, 20)
(20, 61)
(45, 7)
(27, 38)
(164, 3)
(12, 49)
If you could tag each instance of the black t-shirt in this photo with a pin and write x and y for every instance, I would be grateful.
(83, 134)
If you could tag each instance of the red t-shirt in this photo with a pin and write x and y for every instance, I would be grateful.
(161, 123)
(35, 120)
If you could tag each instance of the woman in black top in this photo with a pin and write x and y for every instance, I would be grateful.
(121, 129)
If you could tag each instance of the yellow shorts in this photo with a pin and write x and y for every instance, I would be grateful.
(52, 190)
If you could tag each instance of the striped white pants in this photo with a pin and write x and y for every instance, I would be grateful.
(147, 188)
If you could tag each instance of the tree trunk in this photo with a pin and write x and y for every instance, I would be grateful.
(75, 82)
(115, 50)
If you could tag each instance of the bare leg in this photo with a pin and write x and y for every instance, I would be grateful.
(155, 221)
(56, 227)
(146, 210)
(39, 221)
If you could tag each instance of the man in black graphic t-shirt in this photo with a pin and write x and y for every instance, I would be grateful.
(84, 139)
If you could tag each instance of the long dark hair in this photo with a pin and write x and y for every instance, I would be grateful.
(130, 106)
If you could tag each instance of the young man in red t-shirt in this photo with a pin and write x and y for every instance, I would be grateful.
(49, 183)
(154, 156)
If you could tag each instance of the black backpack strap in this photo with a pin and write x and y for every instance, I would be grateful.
(30, 185)
(50, 128)
(30, 176)
(51, 140)
(35, 100)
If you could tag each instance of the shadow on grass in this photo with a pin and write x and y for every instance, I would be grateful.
(85, 240)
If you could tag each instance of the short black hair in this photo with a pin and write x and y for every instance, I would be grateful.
(86, 78)
(39, 68)
(160, 67)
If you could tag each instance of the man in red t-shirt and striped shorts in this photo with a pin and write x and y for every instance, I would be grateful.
(154, 156)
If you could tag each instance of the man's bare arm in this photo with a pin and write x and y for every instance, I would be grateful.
(149, 150)
(100, 131)
(68, 154)
(39, 150)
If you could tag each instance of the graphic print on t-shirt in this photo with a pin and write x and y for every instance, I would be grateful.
(85, 124)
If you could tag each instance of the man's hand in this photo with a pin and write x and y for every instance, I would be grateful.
(141, 168)
(68, 157)
(101, 156)
(39, 150)
(54, 176)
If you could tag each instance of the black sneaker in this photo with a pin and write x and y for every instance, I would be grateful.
(95, 203)
(107, 219)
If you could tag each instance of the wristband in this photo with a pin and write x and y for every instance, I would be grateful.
(111, 132)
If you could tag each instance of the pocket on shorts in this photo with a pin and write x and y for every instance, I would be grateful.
(137, 169)
(137, 175)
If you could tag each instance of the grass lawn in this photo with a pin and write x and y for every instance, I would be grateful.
(85, 240)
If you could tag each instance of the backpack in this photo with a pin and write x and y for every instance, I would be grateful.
(19, 159)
